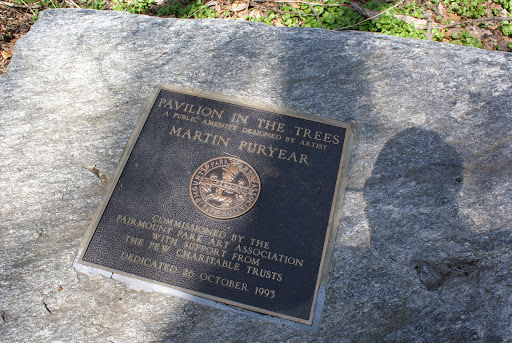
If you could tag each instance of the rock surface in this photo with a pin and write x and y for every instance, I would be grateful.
(423, 252)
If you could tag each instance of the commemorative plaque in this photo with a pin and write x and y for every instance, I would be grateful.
(224, 199)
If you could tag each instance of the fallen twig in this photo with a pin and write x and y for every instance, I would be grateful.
(364, 11)
(14, 5)
(72, 3)
(428, 35)
(479, 20)
(30, 9)
(370, 18)
(207, 4)
(302, 2)
(316, 15)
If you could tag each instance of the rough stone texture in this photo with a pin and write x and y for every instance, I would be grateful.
(424, 248)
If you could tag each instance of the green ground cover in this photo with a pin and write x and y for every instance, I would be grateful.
(476, 23)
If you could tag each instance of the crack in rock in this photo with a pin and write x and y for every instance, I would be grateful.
(93, 323)
(44, 303)
(46, 307)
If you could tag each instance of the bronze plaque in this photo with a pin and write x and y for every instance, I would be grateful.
(225, 199)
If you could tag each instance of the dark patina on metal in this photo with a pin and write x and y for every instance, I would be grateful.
(225, 199)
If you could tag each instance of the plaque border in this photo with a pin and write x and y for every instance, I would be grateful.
(335, 211)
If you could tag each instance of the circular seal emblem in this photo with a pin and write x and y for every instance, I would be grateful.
(225, 187)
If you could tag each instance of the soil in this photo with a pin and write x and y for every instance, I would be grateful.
(14, 23)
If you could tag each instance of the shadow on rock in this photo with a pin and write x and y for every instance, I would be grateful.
(412, 206)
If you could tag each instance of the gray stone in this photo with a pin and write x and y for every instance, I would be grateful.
(423, 252)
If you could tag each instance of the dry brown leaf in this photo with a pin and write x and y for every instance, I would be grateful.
(482, 32)
(494, 5)
(442, 10)
(448, 33)
(277, 22)
(479, 32)
(256, 13)
(503, 43)
(454, 18)
(6, 54)
(238, 6)
(419, 24)
(492, 26)
(489, 43)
